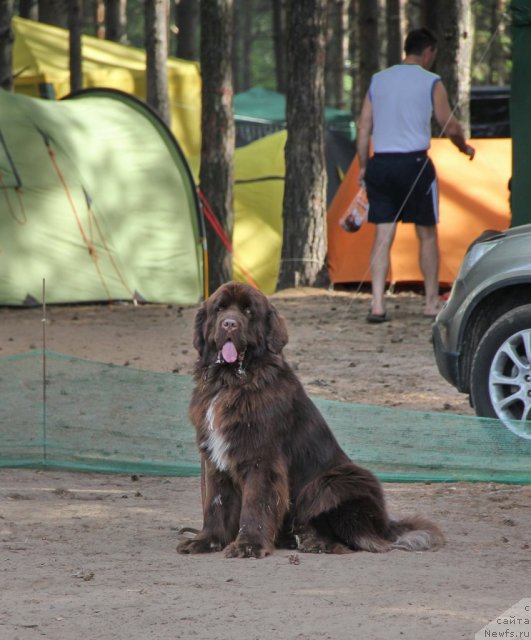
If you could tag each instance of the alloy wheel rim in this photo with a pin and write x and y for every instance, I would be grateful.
(510, 383)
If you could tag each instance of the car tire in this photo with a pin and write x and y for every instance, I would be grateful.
(500, 379)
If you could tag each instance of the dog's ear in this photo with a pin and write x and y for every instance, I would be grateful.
(277, 331)
(199, 329)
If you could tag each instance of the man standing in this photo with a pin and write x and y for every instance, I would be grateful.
(400, 178)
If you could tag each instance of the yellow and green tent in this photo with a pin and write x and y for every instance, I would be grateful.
(41, 68)
(97, 202)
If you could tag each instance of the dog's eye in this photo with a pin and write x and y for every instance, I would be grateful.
(248, 312)
(218, 308)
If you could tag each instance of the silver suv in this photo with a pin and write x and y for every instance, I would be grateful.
(482, 336)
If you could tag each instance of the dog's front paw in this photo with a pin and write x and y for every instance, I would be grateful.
(246, 549)
(199, 545)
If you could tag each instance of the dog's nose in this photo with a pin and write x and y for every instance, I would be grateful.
(229, 324)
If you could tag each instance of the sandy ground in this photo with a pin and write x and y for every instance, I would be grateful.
(93, 555)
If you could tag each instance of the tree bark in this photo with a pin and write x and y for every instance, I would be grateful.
(116, 20)
(304, 206)
(430, 13)
(354, 56)
(279, 41)
(395, 17)
(455, 40)
(242, 43)
(54, 12)
(335, 53)
(74, 38)
(156, 25)
(6, 45)
(368, 43)
(216, 175)
(187, 25)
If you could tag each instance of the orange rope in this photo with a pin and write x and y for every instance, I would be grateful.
(88, 242)
(92, 217)
(220, 231)
(90, 246)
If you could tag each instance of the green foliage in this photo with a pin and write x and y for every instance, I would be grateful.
(491, 63)
(135, 23)
(262, 56)
(491, 59)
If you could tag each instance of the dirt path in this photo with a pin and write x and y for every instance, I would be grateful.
(92, 555)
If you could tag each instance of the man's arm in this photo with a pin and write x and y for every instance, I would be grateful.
(447, 121)
(363, 135)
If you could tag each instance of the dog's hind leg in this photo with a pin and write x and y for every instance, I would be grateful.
(350, 499)
(361, 525)
(317, 537)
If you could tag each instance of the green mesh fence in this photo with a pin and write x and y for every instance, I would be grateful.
(99, 417)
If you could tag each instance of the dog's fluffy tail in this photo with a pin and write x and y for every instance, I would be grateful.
(415, 534)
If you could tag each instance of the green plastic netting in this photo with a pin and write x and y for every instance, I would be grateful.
(100, 417)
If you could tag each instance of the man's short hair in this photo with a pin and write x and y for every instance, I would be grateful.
(418, 40)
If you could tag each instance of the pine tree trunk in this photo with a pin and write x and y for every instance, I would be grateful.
(6, 45)
(335, 54)
(156, 15)
(74, 37)
(304, 206)
(395, 16)
(216, 175)
(368, 43)
(354, 55)
(429, 13)
(187, 25)
(116, 20)
(454, 58)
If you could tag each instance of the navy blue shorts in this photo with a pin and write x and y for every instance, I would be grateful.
(402, 186)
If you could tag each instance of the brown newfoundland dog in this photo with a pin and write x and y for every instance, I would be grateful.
(275, 475)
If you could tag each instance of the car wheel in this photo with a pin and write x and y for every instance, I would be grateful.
(500, 383)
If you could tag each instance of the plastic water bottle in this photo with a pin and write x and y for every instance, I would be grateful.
(356, 214)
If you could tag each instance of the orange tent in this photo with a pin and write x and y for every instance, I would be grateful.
(474, 196)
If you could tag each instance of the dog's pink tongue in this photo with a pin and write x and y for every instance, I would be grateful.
(229, 352)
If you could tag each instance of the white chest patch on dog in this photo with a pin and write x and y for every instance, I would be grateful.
(216, 444)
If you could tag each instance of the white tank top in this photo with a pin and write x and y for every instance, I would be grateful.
(402, 105)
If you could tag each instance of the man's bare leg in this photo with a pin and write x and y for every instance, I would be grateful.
(383, 239)
(429, 265)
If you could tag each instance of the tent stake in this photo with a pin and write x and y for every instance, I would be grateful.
(44, 434)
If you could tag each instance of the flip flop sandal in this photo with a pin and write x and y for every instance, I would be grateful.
(377, 318)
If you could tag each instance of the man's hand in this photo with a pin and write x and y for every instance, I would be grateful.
(469, 151)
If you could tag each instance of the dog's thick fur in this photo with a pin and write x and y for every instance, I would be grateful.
(275, 474)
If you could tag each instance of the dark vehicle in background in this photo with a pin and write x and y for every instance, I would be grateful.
(482, 336)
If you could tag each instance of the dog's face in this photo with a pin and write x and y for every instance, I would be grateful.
(237, 320)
